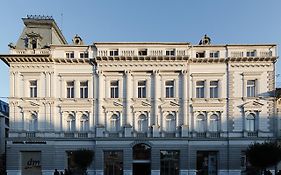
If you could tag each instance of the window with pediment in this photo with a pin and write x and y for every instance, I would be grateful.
(201, 123)
(33, 122)
(250, 124)
(170, 123)
(70, 123)
(214, 123)
(114, 124)
(142, 123)
(84, 123)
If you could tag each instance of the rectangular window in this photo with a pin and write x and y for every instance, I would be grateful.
(200, 89)
(200, 54)
(214, 54)
(114, 92)
(251, 88)
(84, 89)
(143, 52)
(33, 88)
(113, 53)
(169, 85)
(170, 162)
(251, 53)
(214, 89)
(70, 89)
(84, 55)
(69, 54)
(142, 89)
(113, 162)
(170, 52)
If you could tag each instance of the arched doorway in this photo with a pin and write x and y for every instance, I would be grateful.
(141, 159)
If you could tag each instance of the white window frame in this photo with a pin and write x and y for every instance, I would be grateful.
(33, 88)
(33, 122)
(114, 52)
(170, 89)
(251, 89)
(250, 122)
(70, 89)
(214, 54)
(201, 123)
(69, 54)
(114, 89)
(114, 123)
(214, 123)
(170, 123)
(70, 123)
(142, 123)
(142, 89)
(214, 89)
(84, 54)
(84, 123)
(200, 89)
(84, 90)
(170, 52)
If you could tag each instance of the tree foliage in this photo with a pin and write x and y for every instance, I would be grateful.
(83, 158)
(263, 155)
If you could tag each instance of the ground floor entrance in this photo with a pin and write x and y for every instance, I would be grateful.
(141, 169)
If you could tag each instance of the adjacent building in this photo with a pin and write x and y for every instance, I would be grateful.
(169, 108)
(4, 127)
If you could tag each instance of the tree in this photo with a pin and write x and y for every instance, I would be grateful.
(82, 159)
(263, 155)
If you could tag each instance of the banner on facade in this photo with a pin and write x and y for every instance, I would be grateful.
(31, 163)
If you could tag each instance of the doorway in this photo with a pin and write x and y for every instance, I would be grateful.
(141, 159)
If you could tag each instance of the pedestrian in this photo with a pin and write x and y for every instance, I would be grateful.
(61, 173)
(279, 172)
(66, 172)
(56, 172)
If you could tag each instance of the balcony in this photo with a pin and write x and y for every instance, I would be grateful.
(30, 51)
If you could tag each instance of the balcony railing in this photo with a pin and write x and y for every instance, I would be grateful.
(252, 134)
(201, 134)
(30, 134)
(214, 134)
(69, 134)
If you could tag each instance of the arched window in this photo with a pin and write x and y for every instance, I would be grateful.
(170, 123)
(114, 123)
(70, 123)
(250, 122)
(214, 123)
(84, 123)
(201, 123)
(142, 123)
(33, 122)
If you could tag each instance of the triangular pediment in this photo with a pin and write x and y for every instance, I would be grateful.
(252, 104)
(169, 104)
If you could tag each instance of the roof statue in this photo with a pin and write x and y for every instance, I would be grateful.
(205, 40)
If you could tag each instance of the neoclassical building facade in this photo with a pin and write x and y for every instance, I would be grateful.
(159, 108)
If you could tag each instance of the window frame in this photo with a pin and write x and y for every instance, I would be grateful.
(214, 89)
(142, 89)
(200, 89)
(114, 89)
(69, 54)
(170, 88)
(251, 89)
(33, 88)
(70, 89)
(84, 89)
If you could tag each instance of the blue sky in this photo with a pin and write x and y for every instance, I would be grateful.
(225, 21)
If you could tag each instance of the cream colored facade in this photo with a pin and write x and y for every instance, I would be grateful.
(200, 100)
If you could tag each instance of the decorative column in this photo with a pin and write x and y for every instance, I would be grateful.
(100, 123)
(185, 127)
(47, 87)
(155, 111)
(76, 89)
(12, 84)
(52, 84)
(128, 119)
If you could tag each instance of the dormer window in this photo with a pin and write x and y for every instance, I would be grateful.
(84, 55)
(143, 52)
(251, 53)
(170, 52)
(200, 54)
(34, 44)
(214, 54)
(113, 52)
(69, 54)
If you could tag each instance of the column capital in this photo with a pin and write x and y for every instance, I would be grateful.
(184, 72)
(155, 72)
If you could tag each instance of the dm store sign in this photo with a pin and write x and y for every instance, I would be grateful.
(31, 163)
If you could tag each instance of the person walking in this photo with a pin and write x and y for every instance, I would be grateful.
(56, 172)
